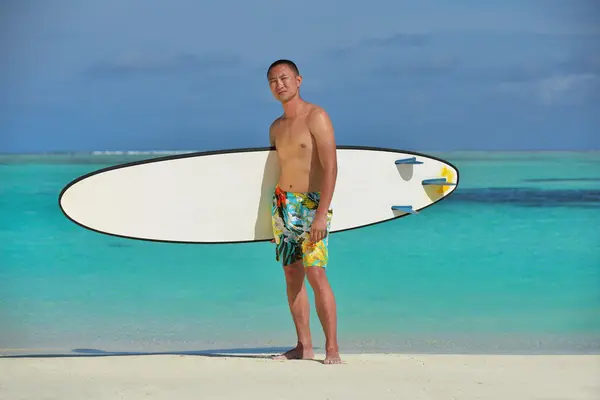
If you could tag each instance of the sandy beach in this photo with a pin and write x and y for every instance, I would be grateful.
(362, 376)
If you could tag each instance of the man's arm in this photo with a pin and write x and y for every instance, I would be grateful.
(272, 132)
(322, 130)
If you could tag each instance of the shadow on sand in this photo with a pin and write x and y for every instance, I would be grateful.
(256, 353)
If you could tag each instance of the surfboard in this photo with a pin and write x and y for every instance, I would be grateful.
(226, 196)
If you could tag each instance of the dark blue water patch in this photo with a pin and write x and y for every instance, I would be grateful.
(562, 180)
(459, 159)
(529, 197)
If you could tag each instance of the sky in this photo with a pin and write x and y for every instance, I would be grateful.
(110, 75)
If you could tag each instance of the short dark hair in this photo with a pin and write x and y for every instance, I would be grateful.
(289, 63)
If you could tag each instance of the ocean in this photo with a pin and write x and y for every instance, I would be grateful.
(509, 263)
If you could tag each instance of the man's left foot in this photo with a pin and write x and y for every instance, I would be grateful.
(332, 358)
(297, 353)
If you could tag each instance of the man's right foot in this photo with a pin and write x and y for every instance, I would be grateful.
(297, 353)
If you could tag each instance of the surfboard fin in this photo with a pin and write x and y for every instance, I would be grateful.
(411, 160)
(437, 181)
(406, 209)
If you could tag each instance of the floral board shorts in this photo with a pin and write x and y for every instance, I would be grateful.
(292, 216)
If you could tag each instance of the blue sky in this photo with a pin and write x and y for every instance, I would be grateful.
(190, 75)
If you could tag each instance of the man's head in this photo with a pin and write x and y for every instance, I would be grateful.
(284, 80)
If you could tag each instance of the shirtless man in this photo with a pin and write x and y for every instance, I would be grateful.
(304, 139)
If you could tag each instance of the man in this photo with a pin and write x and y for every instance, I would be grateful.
(304, 139)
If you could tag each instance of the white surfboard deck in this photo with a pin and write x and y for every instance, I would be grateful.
(226, 196)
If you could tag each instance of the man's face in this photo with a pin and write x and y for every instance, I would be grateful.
(284, 83)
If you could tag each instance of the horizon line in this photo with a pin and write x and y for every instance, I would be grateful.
(187, 151)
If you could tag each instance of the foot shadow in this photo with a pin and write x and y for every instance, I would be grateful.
(295, 359)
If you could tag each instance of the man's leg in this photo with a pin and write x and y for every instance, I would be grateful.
(326, 310)
(299, 307)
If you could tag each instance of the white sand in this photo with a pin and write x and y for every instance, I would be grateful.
(367, 376)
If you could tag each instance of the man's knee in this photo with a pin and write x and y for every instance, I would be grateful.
(294, 272)
(316, 275)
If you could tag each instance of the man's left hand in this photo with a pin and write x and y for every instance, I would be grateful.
(318, 228)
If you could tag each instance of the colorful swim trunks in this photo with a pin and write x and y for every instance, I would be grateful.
(292, 216)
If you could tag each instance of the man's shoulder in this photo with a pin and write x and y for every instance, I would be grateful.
(317, 117)
(276, 122)
(316, 110)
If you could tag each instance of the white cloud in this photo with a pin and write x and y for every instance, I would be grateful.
(567, 88)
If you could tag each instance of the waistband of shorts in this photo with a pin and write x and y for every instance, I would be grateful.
(278, 188)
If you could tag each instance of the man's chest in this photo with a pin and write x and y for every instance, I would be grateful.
(294, 139)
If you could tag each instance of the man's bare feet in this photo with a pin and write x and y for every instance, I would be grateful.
(297, 353)
(332, 357)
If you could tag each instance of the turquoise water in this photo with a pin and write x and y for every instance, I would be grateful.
(509, 263)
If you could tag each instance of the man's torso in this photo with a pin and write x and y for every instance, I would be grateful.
(301, 169)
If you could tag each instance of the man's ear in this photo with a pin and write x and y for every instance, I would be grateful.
(299, 80)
